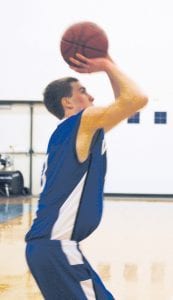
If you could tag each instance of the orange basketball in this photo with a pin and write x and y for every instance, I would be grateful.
(86, 38)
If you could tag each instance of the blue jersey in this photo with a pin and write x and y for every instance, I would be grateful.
(70, 204)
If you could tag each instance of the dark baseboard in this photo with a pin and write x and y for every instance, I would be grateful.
(138, 195)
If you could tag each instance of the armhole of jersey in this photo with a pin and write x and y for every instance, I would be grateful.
(92, 142)
(75, 139)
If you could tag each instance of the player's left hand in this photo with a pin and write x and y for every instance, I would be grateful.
(83, 64)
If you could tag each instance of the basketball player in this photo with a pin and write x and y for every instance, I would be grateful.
(70, 204)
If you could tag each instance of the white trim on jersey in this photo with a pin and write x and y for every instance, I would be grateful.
(103, 150)
(64, 225)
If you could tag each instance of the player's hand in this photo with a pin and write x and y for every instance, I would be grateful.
(83, 64)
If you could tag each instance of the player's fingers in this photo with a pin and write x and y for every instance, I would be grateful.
(82, 58)
(77, 62)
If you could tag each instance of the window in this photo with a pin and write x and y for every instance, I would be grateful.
(160, 117)
(135, 119)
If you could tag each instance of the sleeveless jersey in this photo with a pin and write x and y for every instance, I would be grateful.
(71, 200)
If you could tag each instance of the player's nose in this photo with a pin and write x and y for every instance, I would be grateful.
(91, 99)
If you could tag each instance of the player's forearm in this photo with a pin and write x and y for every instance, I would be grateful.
(123, 87)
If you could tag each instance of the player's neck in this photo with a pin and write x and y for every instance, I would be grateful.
(70, 113)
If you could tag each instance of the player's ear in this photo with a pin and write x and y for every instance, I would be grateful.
(67, 103)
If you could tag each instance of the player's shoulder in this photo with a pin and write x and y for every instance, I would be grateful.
(90, 117)
(92, 112)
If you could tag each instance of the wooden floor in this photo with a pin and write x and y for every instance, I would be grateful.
(132, 249)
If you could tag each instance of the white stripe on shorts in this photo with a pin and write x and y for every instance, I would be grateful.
(74, 257)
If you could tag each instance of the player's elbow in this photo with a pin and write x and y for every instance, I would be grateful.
(141, 101)
(144, 100)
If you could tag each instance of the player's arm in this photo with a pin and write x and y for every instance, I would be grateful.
(129, 98)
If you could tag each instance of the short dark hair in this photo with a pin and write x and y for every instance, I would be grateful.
(54, 92)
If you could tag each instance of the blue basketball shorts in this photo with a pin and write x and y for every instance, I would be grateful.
(62, 272)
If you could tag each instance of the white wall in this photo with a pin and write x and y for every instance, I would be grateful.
(141, 42)
(140, 156)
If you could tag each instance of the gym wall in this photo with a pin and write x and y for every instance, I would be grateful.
(139, 155)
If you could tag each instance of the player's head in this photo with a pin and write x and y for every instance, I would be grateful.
(65, 97)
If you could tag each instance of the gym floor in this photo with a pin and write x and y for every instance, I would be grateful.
(132, 249)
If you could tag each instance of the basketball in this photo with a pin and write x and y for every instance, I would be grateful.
(86, 38)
